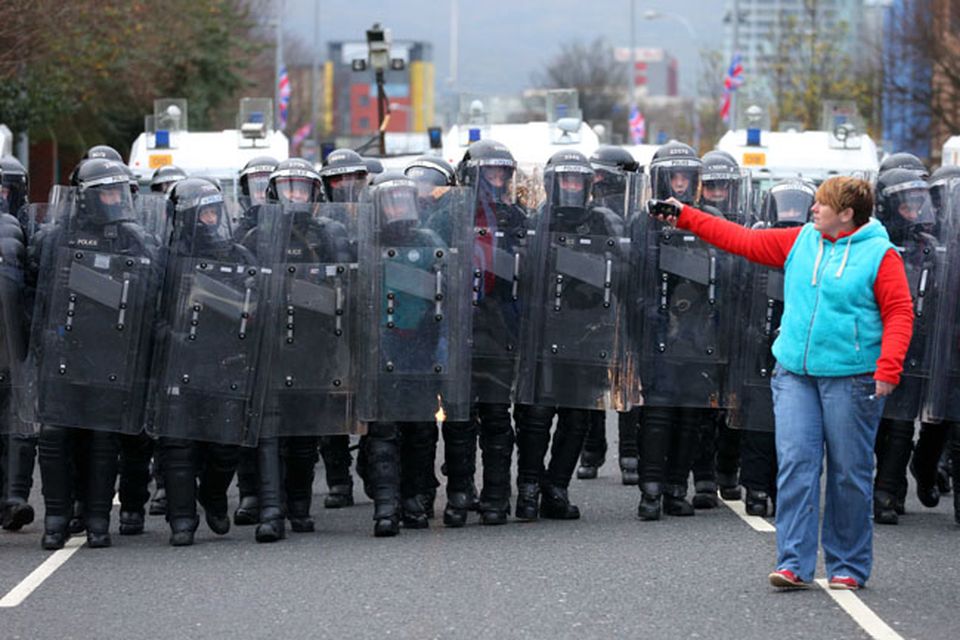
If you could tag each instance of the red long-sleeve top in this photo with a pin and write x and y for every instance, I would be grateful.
(770, 248)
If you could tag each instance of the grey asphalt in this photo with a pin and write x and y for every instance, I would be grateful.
(607, 575)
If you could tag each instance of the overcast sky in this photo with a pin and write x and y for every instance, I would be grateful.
(502, 42)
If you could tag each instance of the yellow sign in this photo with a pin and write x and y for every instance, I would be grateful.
(754, 159)
(160, 160)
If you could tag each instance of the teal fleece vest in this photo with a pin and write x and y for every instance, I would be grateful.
(831, 323)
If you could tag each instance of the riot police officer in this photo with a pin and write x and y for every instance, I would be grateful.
(165, 177)
(564, 363)
(682, 339)
(933, 477)
(613, 167)
(715, 466)
(205, 358)
(253, 188)
(103, 314)
(344, 175)
(499, 242)
(903, 160)
(904, 207)
(17, 446)
(412, 355)
(313, 254)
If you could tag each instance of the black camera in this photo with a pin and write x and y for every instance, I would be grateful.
(662, 208)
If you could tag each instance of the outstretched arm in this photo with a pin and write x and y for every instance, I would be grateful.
(768, 247)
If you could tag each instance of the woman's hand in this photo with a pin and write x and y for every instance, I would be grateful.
(671, 220)
(884, 389)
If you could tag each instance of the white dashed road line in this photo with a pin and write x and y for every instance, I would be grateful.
(861, 613)
(756, 522)
(848, 600)
(30, 584)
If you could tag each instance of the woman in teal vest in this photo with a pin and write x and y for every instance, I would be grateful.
(846, 326)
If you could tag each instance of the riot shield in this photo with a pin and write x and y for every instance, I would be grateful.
(749, 383)
(942, 400)
(14, 329)
(90, 340)
(574, 326)
(152, 215)
(415, 319)
(925, 261)
(500, 256)
(688, 297)
(214, 316)
(311, 384)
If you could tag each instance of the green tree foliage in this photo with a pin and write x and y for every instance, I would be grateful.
(810, 65)
(87, 71)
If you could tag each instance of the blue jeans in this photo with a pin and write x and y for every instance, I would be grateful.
(841, 414)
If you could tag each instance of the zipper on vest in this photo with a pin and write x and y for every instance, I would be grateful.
(816, 305)
(856, 334)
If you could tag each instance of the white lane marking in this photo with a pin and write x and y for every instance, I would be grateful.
(756, 522)
(30, 584)
(116, 499)
(861, 613)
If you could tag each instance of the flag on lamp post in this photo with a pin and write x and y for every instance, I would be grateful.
(283, 91)
(299, 136)
(731, 82)
(638, 125)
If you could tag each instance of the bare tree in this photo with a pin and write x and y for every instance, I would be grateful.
(922, 65)
(593, 72)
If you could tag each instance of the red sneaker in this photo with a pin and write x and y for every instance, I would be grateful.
(844, 582)
(786, 579)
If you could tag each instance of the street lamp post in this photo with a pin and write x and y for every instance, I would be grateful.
(653, 14)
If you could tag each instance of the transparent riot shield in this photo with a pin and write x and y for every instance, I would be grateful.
(214, 316)
(761, 304)
(689, 296)
(500, 256)
(925, 261)
(152, 215)
(942, 400)
(310, 388)
(415, 314)
(95, 300)
(574, 327)
(14, 329)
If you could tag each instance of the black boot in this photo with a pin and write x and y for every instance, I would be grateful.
(272, 526)
(383, 473)
(21, 453)
(884, 508)
(758, 503)
(650, 498)
(925, 460)
(300, 458)
(705, 495)
(555, 504)
(729, 486)
(248, 510)
(335, 451)
(675, 501)
(568, 438)
(219, 468)
(182, 531)
(54, 532)
(496, 447)
(629, 471)
(460, 456)
(594, 446)
(528, 501)
(98, 533)
(414, 516)
(131, 523)
(103, 455)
